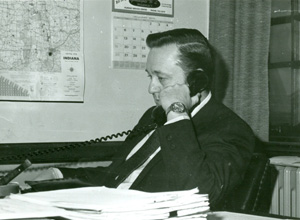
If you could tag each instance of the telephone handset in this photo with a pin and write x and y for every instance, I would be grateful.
(159, 116)
(198, 81)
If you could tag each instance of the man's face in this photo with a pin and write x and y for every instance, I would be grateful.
(163, 70)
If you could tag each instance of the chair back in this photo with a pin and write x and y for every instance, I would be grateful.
(255, 192)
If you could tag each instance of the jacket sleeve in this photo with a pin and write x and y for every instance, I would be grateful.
(214, 158)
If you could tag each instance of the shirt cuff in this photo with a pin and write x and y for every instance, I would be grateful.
(179, 118)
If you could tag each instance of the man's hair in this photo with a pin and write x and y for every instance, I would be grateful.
(194, 50)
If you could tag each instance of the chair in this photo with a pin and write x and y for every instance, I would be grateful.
(255, 192)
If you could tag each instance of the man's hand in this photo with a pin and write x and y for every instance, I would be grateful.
(177, 93)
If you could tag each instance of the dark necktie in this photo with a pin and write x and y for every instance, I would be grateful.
(136, 160)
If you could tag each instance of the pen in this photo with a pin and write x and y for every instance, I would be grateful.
(12, 174)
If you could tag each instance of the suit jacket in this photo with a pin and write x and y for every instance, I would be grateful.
(211, 151)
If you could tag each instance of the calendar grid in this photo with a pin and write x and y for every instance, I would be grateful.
(129, 39)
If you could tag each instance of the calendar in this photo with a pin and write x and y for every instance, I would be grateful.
(129, 33)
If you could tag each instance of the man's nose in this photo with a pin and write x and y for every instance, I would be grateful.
(154, 87)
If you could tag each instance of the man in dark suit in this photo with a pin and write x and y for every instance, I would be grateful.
(199, 142)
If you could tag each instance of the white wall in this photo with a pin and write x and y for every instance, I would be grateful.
(114, 99)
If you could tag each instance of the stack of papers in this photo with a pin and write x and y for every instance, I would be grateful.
(112, 204)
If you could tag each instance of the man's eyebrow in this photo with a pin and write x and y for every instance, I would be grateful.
(155, 72)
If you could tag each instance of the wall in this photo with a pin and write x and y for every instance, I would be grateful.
(113, 101)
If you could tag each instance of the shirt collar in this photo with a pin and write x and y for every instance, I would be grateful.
(201, 105)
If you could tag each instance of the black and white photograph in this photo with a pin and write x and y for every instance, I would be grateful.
(149, 109)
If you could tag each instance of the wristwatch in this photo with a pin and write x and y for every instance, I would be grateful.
(176, 107)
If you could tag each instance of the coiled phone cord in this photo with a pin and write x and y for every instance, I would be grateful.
(35, 153)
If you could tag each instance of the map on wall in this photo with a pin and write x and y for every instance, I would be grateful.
(41, 50)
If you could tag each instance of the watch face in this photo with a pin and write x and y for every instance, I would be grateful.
(178, 107)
